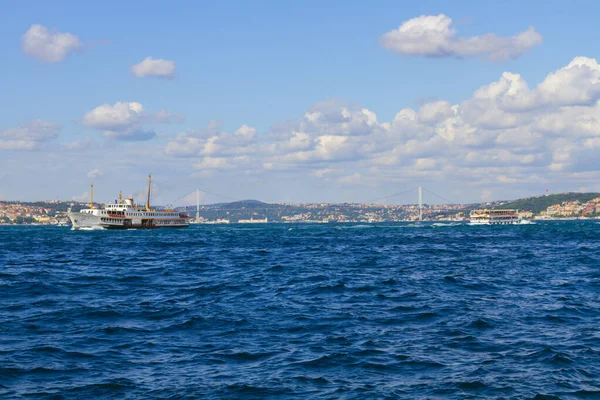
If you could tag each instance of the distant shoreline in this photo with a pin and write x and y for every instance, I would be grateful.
(466, 222)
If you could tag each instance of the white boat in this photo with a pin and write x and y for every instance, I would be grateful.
(494, 217)
(124, 214)
(253, 221)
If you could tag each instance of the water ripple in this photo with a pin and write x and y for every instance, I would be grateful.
(415, 311)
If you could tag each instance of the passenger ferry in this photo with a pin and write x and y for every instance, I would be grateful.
(124, 214)
(494, 217)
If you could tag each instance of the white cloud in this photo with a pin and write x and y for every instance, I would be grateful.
(431, 36)
(325, 172)
(432, 113)
(578, 83)
(154, 67)
(213, 163)
(486, 195)
(425, 164)
(85, 196)
(211, 142)
(480, 141)
(163, 116)
(95, 174)
(49, 46)
(353, 179)
(118, 116)
(79, 145)
(125, 120)
(29, 135)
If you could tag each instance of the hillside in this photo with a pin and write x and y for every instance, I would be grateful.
(246, 204)
(540, 203)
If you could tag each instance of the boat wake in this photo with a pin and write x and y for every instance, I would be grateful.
(361, 226)
(89, 228)
(409, 226)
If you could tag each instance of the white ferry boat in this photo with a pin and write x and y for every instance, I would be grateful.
(494, 217)
(124, 214)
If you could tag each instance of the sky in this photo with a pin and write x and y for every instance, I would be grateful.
(312, 101)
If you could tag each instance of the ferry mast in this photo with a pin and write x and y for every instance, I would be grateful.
(149, 184)
(92, 196)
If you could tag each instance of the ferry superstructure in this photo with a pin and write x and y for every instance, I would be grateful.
(494, 217)
(124, 214)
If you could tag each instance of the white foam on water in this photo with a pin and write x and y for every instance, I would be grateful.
(357, 226)
(89, 228)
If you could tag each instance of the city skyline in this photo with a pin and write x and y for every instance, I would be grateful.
(299, 103)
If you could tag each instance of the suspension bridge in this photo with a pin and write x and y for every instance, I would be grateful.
(186, 199)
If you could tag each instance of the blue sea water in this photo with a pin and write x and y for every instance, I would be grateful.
(428, 311)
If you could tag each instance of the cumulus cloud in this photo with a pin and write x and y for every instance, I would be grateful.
(578, 83)
(214, 163)
(353, 179)
(85, 196)
(49, 46)
(154, 67)
(118, 116)
(125, 120)
(79, 145)
(432, 36)
(29, 135)
(211, 142)
(504, 134)
(95, 173)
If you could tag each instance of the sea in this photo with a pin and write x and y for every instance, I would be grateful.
(301, 311)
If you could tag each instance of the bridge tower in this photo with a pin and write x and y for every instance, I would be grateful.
(420, 203)
(197, 204)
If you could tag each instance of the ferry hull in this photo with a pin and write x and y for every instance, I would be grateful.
(122, 227)
(516, 222)
(89, 221)
(86, 221)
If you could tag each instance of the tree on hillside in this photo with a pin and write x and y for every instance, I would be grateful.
(24, 220)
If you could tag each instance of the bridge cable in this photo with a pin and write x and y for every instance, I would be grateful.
(437, 195)
(392, 195)
(204, 191)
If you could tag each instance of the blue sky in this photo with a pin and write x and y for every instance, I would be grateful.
(260, 64)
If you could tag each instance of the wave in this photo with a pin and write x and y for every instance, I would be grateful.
(261, 311)
(88, 228)
(360, 226)
(528, 222)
